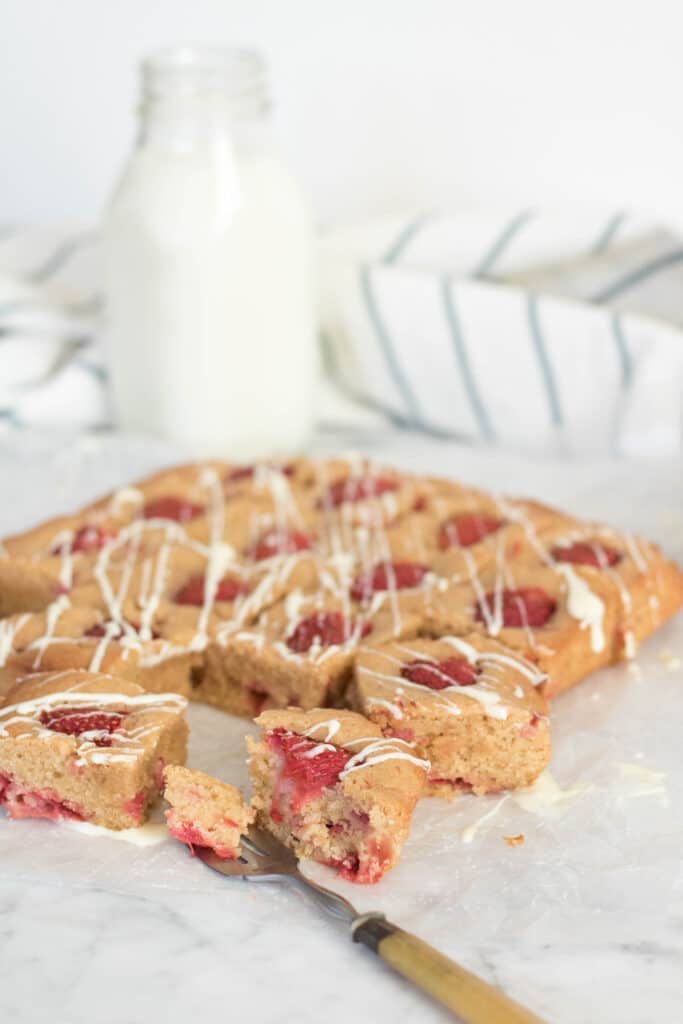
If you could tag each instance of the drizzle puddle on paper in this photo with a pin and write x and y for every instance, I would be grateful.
(150, 834)
(545, 798)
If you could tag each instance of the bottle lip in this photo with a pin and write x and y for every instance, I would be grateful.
(235, 75)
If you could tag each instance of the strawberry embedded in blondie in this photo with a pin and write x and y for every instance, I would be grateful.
(204, 811)
(87, 746)
(470, 706)
(333, 788)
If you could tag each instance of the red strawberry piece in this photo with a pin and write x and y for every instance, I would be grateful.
(135, 807)
(437, 675)
(280, 542)
(75, 721)
(85, 539)
(189, 833)
(100, 629)
(311, 772)
(527, 606)
(357, 489)
(388, 576)
(592, 553)
(324, 628)
(241, 473)
(180, 510)
(228, 589)
(464, 530)
(21, 802)
(247, 472)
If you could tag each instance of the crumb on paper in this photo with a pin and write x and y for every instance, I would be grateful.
(514, 840)
(633, 669)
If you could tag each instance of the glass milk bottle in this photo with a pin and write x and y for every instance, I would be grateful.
(208, 246)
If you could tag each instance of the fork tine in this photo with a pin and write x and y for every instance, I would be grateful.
(263, 843)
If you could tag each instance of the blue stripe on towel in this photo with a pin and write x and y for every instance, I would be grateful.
(636, 277)
(543, 360)
(61, 255)
(393, 365)
(476, 403)
(608, 233)
(502, 242)
(406, 236)
(623, 351)
(98, 372)
(9, 416)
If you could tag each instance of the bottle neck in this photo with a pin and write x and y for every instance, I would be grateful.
(198, 96)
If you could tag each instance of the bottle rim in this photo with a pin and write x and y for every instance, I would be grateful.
(235, 76)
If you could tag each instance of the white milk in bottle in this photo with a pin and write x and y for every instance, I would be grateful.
(208, 244)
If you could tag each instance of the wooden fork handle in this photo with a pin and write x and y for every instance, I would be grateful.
(466, 995)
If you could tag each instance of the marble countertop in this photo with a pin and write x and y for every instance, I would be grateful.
(586, 924)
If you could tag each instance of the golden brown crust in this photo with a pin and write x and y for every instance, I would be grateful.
(345, 518)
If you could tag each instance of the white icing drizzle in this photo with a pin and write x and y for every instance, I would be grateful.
(376, 751)
(470, 832)
(123, 497)
(8, 631)
(585, 606)
(52, 616)
(332, 726)
(393, 709)
(150, 834)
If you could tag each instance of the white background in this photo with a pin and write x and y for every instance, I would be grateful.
(380, 103)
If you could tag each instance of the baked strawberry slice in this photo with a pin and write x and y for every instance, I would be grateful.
(227, 589)
(525, 607)
(593, 553)
(325, 629)
(464, 530)
(388, 576)
(437, 675)
(115, 632)
(280, 541)
(247, 472)
(307, 767)
(87, 538)
(352, 489)
(179, 510)
(76, 721)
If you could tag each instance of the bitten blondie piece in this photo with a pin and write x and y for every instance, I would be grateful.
(470, 707)
(87, 746)
(205, 811)
(331, 787)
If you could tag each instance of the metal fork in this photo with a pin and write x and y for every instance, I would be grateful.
(264, 858)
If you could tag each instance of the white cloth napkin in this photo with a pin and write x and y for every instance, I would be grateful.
(51, 368)
(555, 332)
(543, 331)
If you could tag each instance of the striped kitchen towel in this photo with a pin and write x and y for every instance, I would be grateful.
(51, 368)
(546, 331)
(555, 332)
